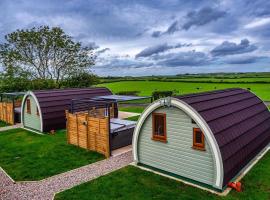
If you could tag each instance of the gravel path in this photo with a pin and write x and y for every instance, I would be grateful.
(45, 189)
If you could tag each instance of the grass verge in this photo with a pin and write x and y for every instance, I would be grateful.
(133, 183)
(134, 109)
(134, 118)
(28, 156)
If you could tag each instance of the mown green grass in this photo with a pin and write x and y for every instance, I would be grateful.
(147, 87)
(134, 109)
(134, 118)
(223, 79)
(28, 156)
(133, 183)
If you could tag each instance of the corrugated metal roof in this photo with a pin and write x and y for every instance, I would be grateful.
(239, 121)
(53, 103)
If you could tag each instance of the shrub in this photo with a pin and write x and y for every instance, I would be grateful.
(160, 94)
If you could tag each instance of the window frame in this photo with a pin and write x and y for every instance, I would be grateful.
(155, 136)
(28, 106)
(198, 146)
(37, 111)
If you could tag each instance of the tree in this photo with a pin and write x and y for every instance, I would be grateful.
(45, 54)
(80, 80)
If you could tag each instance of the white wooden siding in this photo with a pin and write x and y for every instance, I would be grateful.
(177, 155)
(31, 120)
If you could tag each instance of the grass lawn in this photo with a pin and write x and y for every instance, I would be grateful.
(147, 87)
(28, 156)
(3, 124)
(134, 118)
(133, 183)
(134, 109)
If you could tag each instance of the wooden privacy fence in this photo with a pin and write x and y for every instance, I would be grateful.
(7, 112)
(89, 132)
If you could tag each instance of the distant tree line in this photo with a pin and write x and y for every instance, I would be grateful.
(44, 58)
(185, 80)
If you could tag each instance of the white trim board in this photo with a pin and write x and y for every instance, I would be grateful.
(33, 131)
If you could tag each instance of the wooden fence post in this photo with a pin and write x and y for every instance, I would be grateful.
(67, 127)
(87, 133)
(77, 130)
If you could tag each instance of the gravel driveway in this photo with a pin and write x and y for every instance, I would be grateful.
(46, 189)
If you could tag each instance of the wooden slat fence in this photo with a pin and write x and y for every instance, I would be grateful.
(7, 112)
(89, 132)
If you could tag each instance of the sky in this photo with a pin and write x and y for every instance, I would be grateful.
(154, 37)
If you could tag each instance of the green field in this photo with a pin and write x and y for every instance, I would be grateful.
(147, 87)
(263, 77)
(133, 183)
(28, 156)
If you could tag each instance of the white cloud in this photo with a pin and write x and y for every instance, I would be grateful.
(257, 22)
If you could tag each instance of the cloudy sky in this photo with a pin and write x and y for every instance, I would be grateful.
(154, 37)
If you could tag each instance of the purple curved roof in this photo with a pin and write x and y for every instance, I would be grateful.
(240, 122)
(53, 103)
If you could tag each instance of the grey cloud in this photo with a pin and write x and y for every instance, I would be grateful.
(159, 49)
(190, 58)
(156, 34)
(103, 50)
(244, 60)
(93, 45)
(231, 48)
(257, 7)
(173, 27)
(202, 17)
(194, 18)
(121, 62)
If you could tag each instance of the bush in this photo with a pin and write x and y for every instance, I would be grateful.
(160, 94)
(131, 93)
(82, 80)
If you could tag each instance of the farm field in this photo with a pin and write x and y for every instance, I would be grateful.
(27, 156)
(263, 77)
(133, 183)
(147, 87)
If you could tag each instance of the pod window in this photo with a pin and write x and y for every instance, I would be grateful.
(159, 127)
(198, 139)
(28, 106)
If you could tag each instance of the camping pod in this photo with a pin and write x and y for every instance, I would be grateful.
(206, 138)
(44, 110)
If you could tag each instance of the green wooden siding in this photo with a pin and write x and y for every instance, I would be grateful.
(177, 155)
(31, 120)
